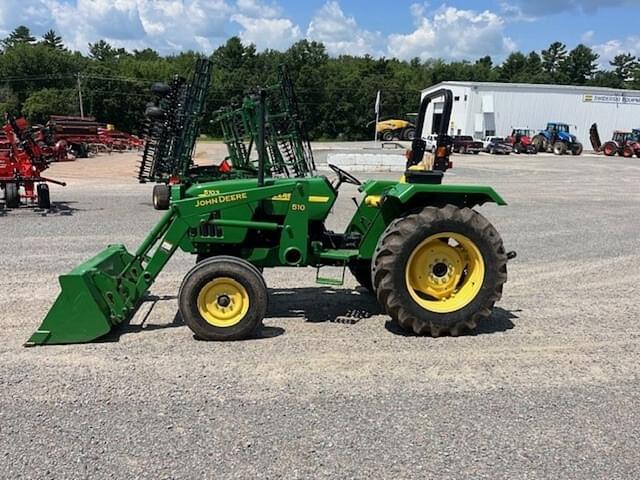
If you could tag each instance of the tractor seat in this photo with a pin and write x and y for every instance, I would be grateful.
(423, 176)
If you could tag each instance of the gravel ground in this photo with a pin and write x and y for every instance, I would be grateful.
(548, 388)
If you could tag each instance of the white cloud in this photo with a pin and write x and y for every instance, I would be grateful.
(452, 34)
(276, 33)
(611, 48)
(587, 37)
(340, 33)
(254, 8)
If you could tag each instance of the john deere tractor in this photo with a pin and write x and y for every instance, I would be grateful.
(556, 138)
(435, 264)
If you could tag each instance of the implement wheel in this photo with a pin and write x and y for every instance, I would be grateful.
(223, 298)
(161, 197)
(362, 273)
(11, 195)
(440, 270)
(44, 199)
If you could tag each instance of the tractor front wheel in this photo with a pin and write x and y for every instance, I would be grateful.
(387, 136)
(440, 270)
(223, 298)
(627, 151)
(559, 148)
(161, 197)
(11, 195)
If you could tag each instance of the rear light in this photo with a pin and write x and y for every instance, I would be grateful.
(441, 152)
(408, 154)
(450, 164)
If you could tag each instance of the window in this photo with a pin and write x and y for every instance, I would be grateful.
(465, 98)
(489, 133)
(456, 99)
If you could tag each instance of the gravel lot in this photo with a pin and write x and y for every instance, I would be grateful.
(548, 388)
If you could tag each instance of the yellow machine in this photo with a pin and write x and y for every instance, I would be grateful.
(394, 129)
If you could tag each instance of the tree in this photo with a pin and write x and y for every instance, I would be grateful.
(625, 64)
(514, 68)
(49, 101)
(553, 58)
(53, 40)
(9, 102)
(580, 65)
(104, 52)
(20, 35)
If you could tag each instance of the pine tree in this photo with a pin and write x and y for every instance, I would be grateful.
(625, 64)
(19, 36)
(53, 40)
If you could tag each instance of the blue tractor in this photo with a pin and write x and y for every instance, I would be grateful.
(557, 139)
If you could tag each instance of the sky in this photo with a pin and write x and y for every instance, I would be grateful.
(455, 30)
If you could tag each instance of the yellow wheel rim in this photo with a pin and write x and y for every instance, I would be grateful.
(445, 272)
(223, 302)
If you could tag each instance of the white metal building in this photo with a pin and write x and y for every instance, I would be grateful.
(486, 108)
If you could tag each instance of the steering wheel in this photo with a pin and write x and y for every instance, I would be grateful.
(344, 177)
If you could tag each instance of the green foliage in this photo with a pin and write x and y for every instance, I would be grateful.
(42, 103)
(53, 40)
(21, 35)
(336, 95)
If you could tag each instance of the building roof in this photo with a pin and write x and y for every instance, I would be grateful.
(538, 86)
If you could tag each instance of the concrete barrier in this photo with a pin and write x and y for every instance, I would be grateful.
(368, 162)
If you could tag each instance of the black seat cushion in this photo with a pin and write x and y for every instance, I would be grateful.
(423, 176)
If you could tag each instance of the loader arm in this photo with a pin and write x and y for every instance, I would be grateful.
(107, 290)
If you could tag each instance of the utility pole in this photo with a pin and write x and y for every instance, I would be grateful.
(80, 97)
(378, 99)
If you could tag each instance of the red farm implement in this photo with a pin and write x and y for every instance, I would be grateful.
(22, 164)
(80, 133)
(116, 140)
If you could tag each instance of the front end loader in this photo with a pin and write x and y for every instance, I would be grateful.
(435, 264)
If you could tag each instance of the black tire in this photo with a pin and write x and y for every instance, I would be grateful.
(559, 148)
(387, 136)
(240, 272)
(11, 195)
(516, 148)
(44, 199)
(409, 134)
(540, 143)
(394, 250)
(476, 152)
(362, 273)
(463, 150)
(492, 151)
(161, 197)
(576, 149)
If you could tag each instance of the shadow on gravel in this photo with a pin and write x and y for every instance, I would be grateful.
(318, 304)
(499, 321)
(63, 209)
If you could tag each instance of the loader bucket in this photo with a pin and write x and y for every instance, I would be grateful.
(92, 301)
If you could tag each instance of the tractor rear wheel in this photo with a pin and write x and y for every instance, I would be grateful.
(11, 195)
(223, 298)
(44, 199)
(161, 197)
(362, 273)
(409, 134)
(627, 151)
(559, 148)
(541, 143)
(387, 136)
(440, 270)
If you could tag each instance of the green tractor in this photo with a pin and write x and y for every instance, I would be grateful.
(435, 264)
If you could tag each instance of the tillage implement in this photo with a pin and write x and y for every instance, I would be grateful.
(434, 263)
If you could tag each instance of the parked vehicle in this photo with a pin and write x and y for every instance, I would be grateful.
(556, 138)
(625, 144)
(431, 141)
(466, 144)
(497, 145)
(395, 128)
(520, 140)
